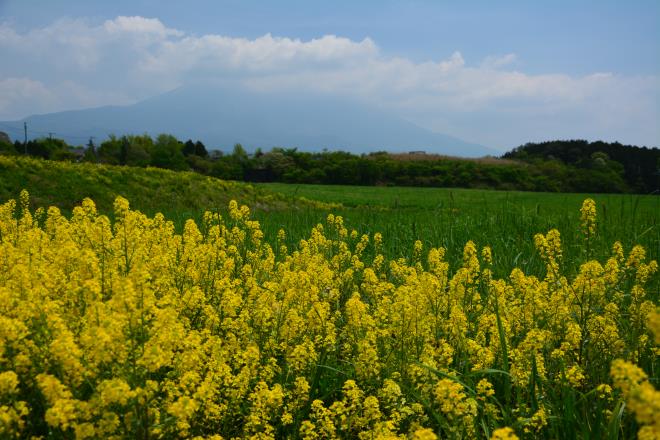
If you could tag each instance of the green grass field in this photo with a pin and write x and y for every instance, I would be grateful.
(505, 220)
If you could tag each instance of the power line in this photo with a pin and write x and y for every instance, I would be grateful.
(13, 129)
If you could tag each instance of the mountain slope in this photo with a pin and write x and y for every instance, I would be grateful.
(221, 117)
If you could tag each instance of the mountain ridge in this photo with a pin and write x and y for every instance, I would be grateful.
(221, 117)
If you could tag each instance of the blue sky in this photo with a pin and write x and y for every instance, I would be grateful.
(499, 75)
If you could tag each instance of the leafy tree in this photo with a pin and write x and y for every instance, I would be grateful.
(109, 150)
(49, 148)
(191, 148)
(200, 150)
(7, 148)
(640, 172)
(127, 150)
(123, 150)
(239, 154)
(227, 168)
(139, 150)
(167, 153)
(199, 164)
(188, 148)
(90, 152)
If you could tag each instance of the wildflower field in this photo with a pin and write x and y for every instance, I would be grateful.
(124, 326)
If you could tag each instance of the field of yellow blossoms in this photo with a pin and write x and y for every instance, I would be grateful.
(126, 329)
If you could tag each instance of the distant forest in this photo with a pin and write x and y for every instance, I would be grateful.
(555, 166)
(638, 168)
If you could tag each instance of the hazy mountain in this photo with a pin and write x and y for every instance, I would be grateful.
(221, 117)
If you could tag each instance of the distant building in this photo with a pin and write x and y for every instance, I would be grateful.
(215, 154)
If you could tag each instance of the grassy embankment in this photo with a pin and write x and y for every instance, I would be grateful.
(178, 195)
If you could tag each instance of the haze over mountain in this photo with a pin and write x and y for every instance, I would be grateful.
(222, 116)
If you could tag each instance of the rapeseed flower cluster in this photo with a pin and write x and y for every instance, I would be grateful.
(128, 329)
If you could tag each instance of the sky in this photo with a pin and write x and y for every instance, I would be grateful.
(496, 73)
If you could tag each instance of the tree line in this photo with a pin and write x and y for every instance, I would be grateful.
(638, 167)
(556, 166)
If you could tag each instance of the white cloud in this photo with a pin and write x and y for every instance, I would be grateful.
(24, 96)
(141, 26)
(494, 61)
(14, 91)
(215, 54)
(75, 63)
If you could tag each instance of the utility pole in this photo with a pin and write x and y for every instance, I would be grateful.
(25, 139)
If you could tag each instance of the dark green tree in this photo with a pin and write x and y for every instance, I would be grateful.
(90, 152)
(6, 147)
(167, 153)
(188, 148)
(123, 150)
(200, 150)
(109, 150)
